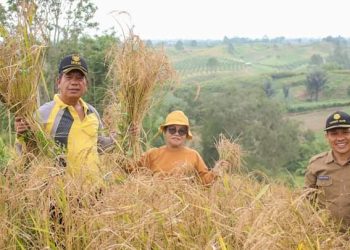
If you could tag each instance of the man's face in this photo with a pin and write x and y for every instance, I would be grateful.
(72, 85)
(339, 140)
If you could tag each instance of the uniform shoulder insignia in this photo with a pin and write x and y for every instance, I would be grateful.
(318, 156)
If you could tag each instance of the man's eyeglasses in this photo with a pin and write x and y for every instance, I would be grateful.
(181, 131)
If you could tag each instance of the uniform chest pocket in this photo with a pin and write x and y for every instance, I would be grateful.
(323, 181)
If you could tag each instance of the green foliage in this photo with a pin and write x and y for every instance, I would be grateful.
(230, 48)
(212, 63)
(316, 59)
(286, 91)
(3, 19)
(315, 82)
(179, 45)
(96, 49)
(4, 155)
(200, 65)
(269, 140)
(268, 89)
(194, 43)
(309, 146)
(340, 55)
(62, 19)
(307, 106)
(229, 45)
(283, 74)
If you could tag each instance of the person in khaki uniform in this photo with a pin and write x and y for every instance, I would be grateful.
(174, 157)
(330, 171)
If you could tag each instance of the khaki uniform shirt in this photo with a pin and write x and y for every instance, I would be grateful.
(333, 180)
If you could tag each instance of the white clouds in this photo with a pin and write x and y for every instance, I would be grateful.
(214, 19)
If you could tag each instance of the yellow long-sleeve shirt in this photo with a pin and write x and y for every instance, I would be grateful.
(177, 161)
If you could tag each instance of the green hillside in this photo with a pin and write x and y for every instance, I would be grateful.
(283, 65)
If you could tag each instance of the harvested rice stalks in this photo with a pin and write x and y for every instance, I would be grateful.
(138, 72)
(229, 151)
(22, 56)
(21, 62)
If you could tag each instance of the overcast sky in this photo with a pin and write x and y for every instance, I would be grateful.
(209, 19)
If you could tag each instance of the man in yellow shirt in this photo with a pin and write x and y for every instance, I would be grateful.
(72, 123)
(174, 157)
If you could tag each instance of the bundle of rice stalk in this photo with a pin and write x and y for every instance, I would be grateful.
(22, 55)
(229, 151)
(112, 113)
(138, 72)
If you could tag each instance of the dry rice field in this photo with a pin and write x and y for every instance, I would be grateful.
(43, 210)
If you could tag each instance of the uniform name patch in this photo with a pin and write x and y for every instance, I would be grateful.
(323, 177)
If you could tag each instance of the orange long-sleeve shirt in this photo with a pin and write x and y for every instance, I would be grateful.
(177, 161)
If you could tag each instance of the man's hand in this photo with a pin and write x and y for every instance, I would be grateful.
(21, 125)
(134, 130)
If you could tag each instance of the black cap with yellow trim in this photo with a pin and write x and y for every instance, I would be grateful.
(71, 62)
(338, 119)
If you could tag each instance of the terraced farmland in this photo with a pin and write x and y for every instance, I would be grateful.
(199, 66)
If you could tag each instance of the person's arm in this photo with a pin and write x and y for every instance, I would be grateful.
(207, 176)
(105, 142)
(310, 178)
(310, 186)
(108, 142)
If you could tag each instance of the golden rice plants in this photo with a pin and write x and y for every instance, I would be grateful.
(137, 72)
(42, 209)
